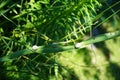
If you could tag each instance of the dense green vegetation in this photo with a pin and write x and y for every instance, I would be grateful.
(53, 39)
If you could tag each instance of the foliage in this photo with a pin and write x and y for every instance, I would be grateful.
(49, 23)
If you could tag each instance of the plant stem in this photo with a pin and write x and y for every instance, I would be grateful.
(100, 38)
(58, 48)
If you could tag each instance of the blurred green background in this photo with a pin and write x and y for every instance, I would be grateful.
(56, 24)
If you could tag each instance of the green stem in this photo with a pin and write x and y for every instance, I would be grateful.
(57, 48)
(99, 38)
